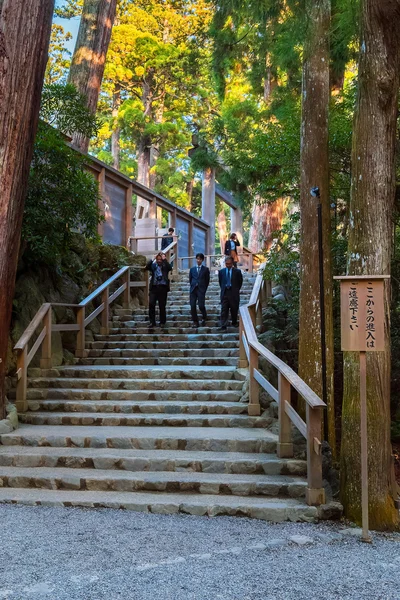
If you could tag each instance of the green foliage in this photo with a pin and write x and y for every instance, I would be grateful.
(59, 56)
(62, 196)
(65, 108)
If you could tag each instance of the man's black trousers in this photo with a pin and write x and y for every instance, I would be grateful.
(158, 294)
(197, 296)
(230, 302)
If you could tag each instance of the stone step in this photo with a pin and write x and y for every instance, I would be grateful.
(155, 346)
(117, 396)
(145, 419)
(184, 322)
(150, 372)
(150, 460)
(193, 336)
(207, 361)
(173, 309)
(209, 407)
(112, 385)
(157, 481)
(170, 329)
(205, 439)
(173, 352)
(268, 509)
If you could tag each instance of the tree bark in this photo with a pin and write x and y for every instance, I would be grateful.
(266, 219)
(314, 165)
(369, 253)
(24, 42)
(115, 136)
(88, 61)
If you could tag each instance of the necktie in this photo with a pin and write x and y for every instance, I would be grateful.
(229, 278)
(198, 270)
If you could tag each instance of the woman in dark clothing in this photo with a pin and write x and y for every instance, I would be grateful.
(231, 248)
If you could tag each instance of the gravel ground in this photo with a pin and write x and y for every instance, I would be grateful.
(78, 554)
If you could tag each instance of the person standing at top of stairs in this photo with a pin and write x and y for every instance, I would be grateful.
(231, 247)
(159, 287)
(230, 281)
(199, 280)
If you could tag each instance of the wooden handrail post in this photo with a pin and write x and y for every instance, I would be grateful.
(251, 259)
(45, 361)
(285, 445)
(127, 291)
(315, 493)
(259, 316)
(80, 341)
(105, 315)
(243, 362)
(22, 382)
(175, 265)
(254, 408)
(252, 312)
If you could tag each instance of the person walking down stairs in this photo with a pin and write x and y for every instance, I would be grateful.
(230, 281)
(159, 288)
(199, 280)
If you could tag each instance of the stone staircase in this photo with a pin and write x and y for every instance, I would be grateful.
(152, 420)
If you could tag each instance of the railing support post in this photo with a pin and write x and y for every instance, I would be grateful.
(315, 493)
(80, 342)
(254, 409)
(22, 382)
(45, 361)
(127, 292)
(243, 362)
(105, 315)
(285, 446)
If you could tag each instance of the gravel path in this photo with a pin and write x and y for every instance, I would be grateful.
(78, 554)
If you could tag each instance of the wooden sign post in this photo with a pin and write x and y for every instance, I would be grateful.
(362, 312)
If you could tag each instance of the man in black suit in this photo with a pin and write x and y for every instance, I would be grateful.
(167, 238)
(158, 288)
(230, 282)
(199, 279)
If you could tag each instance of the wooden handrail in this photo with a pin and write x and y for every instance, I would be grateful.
(104, 286)
(43, 318)
(33, 325)
(250, 352)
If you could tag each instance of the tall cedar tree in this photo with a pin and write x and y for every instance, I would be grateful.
(314, 168)
(369, 253)
(24, 42)
(88, 61)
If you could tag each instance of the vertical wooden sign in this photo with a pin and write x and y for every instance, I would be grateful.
(362, 312)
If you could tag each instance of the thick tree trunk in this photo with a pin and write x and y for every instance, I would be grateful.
(370, 248)
(115, 137)
(265, 221)
(88, 61)
(24, 42)
(314, 165)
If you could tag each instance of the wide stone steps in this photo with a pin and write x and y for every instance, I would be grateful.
(122, 419)
(162, 337)
(168, 481)
(128, 388)
(214, 439)
(152, 420)
(269, 509)
(207, 361)
(137, 372)
(154, 347)
(171, 329)
(162, 353)
(209, 407)
(150, 460)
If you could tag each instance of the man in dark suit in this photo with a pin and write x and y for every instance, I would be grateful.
(230, 282)
(158, 288)
(167, 238)
(199, 279)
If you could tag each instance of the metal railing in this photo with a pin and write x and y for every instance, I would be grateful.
(251, 350)
(44, 318)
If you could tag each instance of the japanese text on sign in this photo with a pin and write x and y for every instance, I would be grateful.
(362, 314)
